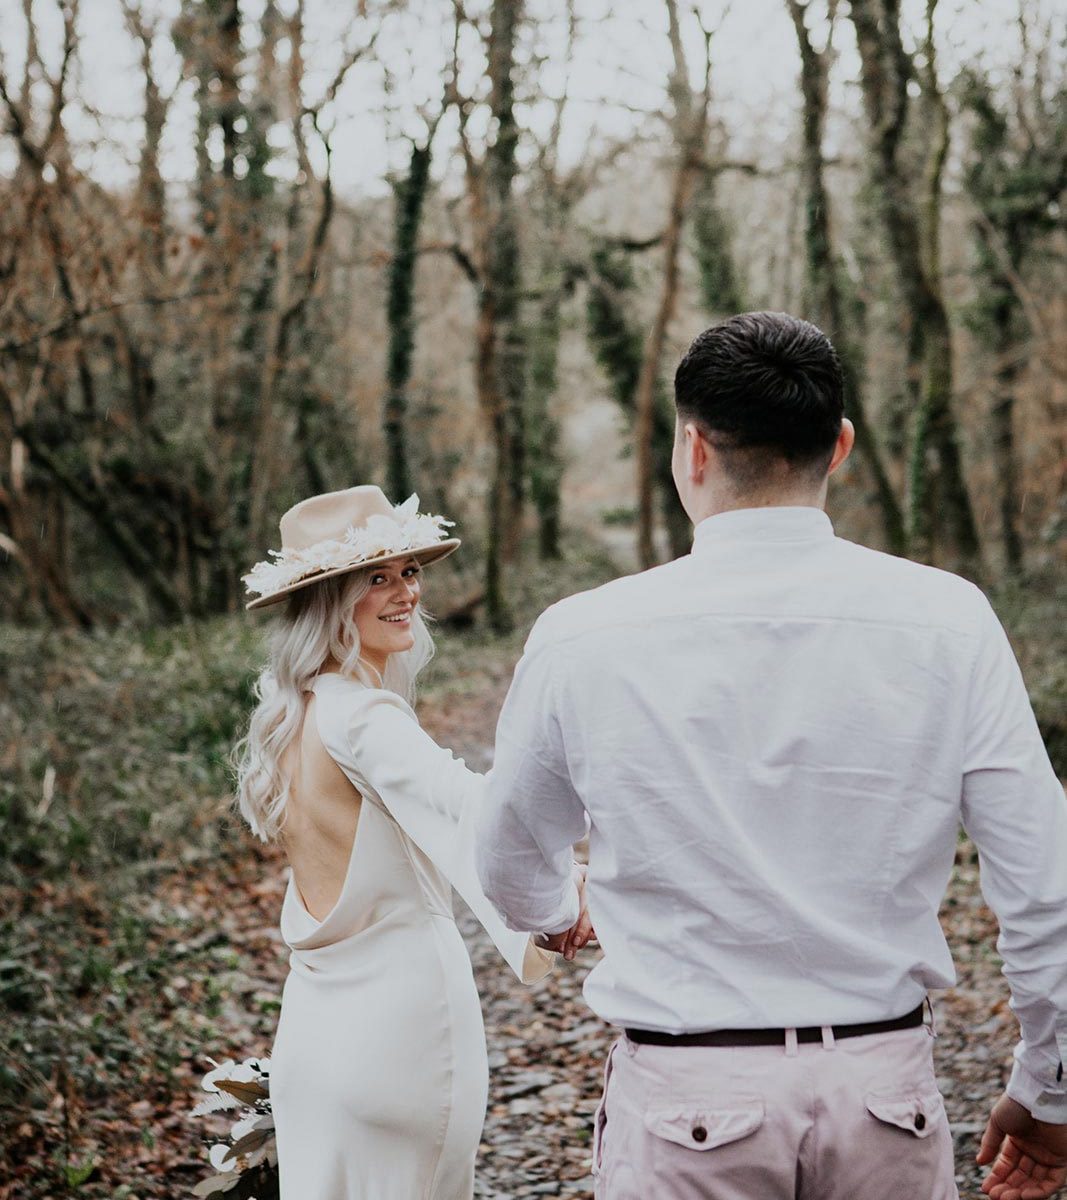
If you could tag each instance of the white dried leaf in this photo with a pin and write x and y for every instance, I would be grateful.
(219, 1102)
(217, 1184)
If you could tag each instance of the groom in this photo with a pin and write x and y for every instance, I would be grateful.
(773, 742)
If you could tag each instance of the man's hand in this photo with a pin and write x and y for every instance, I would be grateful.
(1029, 1157)
(581, 933)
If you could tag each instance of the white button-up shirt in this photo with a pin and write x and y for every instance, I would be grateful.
(773, 741)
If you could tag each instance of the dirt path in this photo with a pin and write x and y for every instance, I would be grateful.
(546, 1049)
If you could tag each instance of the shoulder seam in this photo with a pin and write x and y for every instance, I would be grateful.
(811, 618)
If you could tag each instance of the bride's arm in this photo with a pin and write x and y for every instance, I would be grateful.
(435, 799)
(399, 759)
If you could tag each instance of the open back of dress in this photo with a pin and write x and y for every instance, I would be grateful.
(378, 1074)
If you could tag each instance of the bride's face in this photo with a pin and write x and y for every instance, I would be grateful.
(384, 615)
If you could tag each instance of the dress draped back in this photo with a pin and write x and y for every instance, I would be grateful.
(379, 1074)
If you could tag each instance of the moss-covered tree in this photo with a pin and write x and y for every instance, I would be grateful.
(409, 196)
(911, 244)
(825, 283)
(619, 346)
(1015, 175)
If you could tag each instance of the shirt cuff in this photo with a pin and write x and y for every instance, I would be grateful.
(1043, 1102)
(569, 910)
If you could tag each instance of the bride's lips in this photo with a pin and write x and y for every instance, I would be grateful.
(397, 618)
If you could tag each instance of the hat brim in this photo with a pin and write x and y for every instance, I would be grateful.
(424, 555)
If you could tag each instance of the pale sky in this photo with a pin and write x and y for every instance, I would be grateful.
(619, 71)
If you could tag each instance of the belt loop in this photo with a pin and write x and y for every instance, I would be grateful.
(791, 1043)
(828, 1040)
(932, 1027)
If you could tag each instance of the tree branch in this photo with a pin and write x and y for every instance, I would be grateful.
(77, 315)
(458, 254)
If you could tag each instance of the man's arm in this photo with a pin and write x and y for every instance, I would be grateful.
(1014, 810)
(533, 815)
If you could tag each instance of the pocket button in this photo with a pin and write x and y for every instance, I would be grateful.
(920, 1121)
(700, 1134)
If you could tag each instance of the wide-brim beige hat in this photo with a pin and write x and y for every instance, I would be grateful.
(338, 532)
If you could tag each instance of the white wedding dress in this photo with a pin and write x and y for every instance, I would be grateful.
(379, 1073)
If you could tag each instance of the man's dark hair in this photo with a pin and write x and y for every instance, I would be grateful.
(766, 390)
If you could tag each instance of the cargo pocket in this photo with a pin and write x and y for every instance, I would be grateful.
(705, 1124)
(600, 1117)
(919, 1112)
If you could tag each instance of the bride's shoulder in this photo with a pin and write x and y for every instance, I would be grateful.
(358, 723)
(346, 693)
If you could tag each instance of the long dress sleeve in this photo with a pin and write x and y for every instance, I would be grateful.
(377, 741)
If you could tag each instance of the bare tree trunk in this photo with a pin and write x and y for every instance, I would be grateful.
(650, 365)
(545, 465)
(554, 195)
(885, 72)
(1015, 169)
(690, 134)
(1003, 420)
(619, 348)
(287, 316)
(500, 352)
(227, 15)
(714, 249)
(410, 193)
(489, 391)
(824, 283)
(504, 271)
(151, 196)
(293, 286)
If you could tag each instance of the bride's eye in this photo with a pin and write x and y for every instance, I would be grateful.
(413, 571)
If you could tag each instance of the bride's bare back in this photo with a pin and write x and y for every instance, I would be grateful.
(321, 818)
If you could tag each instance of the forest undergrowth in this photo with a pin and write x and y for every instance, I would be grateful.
(138, 921)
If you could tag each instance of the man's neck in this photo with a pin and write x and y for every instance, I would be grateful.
(711, 504)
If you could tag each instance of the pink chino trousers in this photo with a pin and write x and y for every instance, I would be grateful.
(856, 1119)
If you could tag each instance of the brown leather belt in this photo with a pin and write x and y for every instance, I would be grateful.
(772, 1037)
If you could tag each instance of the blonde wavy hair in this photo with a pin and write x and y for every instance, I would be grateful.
(318, 625)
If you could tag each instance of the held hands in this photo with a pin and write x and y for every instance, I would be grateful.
(1029, 1157)
(581, 933)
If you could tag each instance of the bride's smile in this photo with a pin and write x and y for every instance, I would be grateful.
(384, 614)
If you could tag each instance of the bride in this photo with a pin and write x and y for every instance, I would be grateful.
(378, 1074)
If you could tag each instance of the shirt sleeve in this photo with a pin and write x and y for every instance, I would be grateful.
(1014, 810)
(435, 799)
(534, 815)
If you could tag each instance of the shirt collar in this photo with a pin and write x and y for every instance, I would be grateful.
(777, 523)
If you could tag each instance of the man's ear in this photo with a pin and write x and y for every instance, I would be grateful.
(696, 452)
(846, 439)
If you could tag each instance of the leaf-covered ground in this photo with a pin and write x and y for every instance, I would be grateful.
(138, 923)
